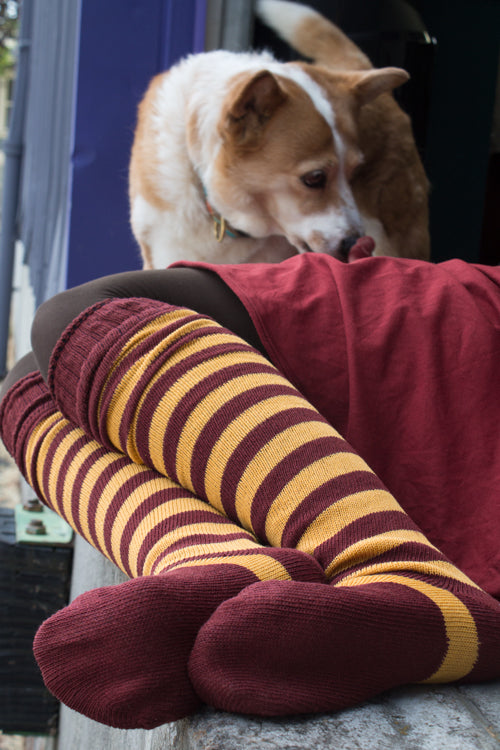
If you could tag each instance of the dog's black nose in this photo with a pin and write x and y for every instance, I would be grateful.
(347, 243)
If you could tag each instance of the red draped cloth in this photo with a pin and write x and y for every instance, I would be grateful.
(403, 358)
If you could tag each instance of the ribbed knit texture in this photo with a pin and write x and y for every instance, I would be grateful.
(119, 654)
(192, 400)
(174, 391)
(280, 649)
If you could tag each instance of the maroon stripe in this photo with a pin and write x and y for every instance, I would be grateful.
(144, 508)
(448, 583)
(22, 435)
(166, 525)
(210, 556)
(154, 339)
(92, 500)
(63, 468)
(122, 491)
(159, 336)
(248, 448)
(325, 496)
(365, 527)
(285, 471)
(150, 503)
(219, 420)
(227, 414)
(194, 540)
(127, 487)
(48, 463)
(200, 539)
(75, 501)
(95, 342)
(157, 391)
(486, 614)
(36, 484)
(408, 552)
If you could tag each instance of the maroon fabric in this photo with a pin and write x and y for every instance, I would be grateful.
(277, 649)
(281, 648)
(118, 654)
(403, 358)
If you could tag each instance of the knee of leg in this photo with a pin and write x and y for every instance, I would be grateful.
(54, 315)
(51, 318)
(22, 368)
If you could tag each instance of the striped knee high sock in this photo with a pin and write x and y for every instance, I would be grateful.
(182, 394)
(119, 654)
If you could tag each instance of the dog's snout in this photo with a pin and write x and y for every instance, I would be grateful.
(347, 243)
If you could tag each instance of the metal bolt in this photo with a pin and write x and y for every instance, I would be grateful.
(33, 505)
(36, 527)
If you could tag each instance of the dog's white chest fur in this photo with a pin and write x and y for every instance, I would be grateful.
(168, 209)
(260, 145)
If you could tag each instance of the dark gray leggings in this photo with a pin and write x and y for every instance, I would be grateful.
(197, 289)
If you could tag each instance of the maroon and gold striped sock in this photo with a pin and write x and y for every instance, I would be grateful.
(178, 392)
(119, 654)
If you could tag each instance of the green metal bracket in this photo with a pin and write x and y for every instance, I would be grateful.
(36, 524)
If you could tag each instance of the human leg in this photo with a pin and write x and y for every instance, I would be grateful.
(193, 288)
(23, 367)
(178, 392)
(329, 648)
(119, 654)
(51, 451)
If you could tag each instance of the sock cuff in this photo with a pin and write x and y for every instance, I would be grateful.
(23, 406)
(81, 359)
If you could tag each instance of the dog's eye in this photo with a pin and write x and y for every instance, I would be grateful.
(315, 179)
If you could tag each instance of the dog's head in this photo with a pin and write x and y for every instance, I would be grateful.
(289, 150)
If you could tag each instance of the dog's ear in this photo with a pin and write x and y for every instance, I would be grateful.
(367, 85)
(250, 106)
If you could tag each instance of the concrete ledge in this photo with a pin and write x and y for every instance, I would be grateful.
(412, 718)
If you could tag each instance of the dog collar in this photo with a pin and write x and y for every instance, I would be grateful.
(220, 225)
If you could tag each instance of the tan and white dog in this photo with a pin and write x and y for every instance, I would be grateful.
(240, 158)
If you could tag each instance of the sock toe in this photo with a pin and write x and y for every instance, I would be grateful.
(282, 648)
(119, 654)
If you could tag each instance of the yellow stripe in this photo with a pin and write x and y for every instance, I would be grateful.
(129, 379)
(461, 631)
(366, 549)
(95, 471)
(123, 390)
(309, 479)
(228, 546)
(62, 501)
(130, 504)
(209, 405)
(432, 567)
(107, 496)
(292, 495)
(234, 433)
(182, 386)
(52, 424)
(59, 456)
(263, 566)
(165, 510)
(119, 398)
(70, 477)
(164, 408)
(345, 511)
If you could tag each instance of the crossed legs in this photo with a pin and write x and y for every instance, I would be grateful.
(143, 393)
